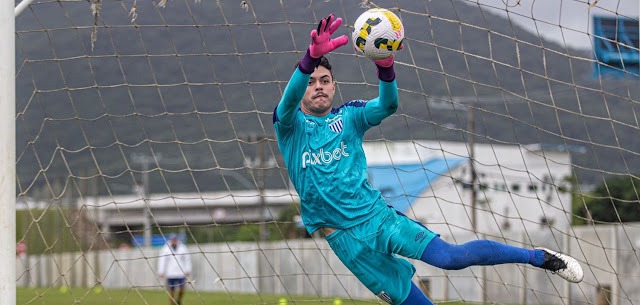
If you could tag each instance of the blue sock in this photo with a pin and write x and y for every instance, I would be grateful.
(475, 253)
(416, 297)
(537, 258)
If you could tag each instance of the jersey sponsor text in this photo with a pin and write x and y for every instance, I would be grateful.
(322, 157)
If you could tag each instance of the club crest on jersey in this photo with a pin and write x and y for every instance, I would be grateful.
(384, 296)
(337, 125)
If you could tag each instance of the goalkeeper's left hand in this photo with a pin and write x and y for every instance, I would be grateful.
(387, 62)
(384, 63)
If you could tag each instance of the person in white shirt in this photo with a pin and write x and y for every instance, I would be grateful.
(174, 264)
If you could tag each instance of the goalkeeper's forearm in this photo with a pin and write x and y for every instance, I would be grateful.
(295, 89)
(384, 105)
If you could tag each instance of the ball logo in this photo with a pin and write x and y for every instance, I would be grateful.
(322, 157)
(387, 44)
(365, 31)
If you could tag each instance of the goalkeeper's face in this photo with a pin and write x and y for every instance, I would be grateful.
(317, 99)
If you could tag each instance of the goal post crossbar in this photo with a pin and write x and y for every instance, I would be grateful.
(21, 6)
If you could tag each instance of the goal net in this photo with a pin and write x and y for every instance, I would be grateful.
(136, 120)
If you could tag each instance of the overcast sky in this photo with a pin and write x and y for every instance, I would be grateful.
(573, 15)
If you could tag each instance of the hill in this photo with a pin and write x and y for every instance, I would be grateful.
(190, 83)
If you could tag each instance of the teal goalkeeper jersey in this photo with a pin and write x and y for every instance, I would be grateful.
(326, 162)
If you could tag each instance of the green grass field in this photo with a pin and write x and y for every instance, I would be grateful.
(77, 296)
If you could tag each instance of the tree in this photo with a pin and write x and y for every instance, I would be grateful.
(616, 200)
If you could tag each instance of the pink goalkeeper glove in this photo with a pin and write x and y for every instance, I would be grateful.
(321, 42)
(384, 63)
(385, 67)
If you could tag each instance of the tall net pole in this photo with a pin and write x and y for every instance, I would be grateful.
(7, 155)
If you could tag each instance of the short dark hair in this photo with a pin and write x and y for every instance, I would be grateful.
(324, 62)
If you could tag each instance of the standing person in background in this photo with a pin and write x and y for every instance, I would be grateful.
(322, 148)
(174, 264)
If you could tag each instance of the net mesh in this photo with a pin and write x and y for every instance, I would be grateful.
(136, 120)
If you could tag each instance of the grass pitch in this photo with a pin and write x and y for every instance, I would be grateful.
(135, 296)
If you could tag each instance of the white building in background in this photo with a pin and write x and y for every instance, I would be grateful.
(139, 213)
(518, 186)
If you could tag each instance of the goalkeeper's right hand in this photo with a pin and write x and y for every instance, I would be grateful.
(321, 42)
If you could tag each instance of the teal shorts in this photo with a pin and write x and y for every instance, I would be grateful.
(369, 251)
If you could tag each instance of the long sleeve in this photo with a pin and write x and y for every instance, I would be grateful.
(162, 261)
(293, 93)
(186, 260)
(174, 263)
(384, 105)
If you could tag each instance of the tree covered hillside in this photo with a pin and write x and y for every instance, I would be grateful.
(194, 84)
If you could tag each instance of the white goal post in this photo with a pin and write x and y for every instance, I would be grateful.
(7, 155)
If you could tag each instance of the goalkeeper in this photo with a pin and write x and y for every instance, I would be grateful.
(322, 148)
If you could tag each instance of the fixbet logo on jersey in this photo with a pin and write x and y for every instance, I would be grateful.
(322, 157)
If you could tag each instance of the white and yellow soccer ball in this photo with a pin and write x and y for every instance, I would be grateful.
(377, 34)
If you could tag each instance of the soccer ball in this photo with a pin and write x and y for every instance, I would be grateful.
(377, 34)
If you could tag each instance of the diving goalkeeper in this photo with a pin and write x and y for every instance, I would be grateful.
(322, 148)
